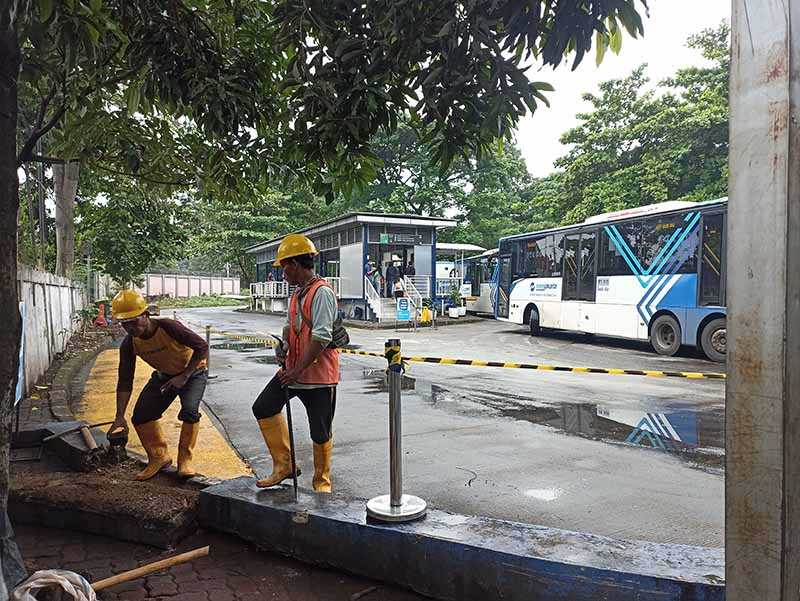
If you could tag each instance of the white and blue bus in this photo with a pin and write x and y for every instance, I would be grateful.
(652, 273)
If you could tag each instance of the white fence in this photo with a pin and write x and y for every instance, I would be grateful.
(50, 304)
(269, 289)
(179, 285)
(444, 286)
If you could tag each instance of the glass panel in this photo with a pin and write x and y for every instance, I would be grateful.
(611, 261)
(665, 246)
(711, 267)
(570, 287)
(588, 284)
(558, 255)
(539, 257)
(505, 285)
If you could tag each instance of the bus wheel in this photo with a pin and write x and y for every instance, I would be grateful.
(714, 340)
(665, 335)
(533, 322)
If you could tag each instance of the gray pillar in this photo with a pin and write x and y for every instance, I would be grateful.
(762, 505)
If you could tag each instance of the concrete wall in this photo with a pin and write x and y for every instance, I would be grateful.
(50, 304)
(179, 285)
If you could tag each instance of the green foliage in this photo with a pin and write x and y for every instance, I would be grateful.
(198, 301)
(130, 231)
(636, 146)
(639, 146)
(283, 89)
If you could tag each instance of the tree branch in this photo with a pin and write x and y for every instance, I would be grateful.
(37, 133)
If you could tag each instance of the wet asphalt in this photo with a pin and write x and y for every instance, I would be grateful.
(623, 456)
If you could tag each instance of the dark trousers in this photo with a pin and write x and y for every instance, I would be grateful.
(320, 404)
(152, 403)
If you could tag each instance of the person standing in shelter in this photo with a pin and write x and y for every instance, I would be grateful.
(311, 370)
(179, 358)
(410, 269)
(392, 275)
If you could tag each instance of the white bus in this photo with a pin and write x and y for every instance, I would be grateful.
(652, 273)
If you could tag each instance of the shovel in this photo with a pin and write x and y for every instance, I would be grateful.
(289, 422)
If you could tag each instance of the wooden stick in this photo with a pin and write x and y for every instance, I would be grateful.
(91, 443)
(144, 570)
(76, 429)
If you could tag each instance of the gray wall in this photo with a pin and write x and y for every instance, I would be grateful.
(50, 304)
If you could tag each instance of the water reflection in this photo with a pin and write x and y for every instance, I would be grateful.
(696, 435)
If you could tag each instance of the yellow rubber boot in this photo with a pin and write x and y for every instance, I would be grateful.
(156, 447)
(276, 435)
(185, 449)
(322, 466)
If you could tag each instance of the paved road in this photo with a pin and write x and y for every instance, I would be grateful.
(540, 447)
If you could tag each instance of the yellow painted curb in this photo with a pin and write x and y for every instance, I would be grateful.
(213, 456)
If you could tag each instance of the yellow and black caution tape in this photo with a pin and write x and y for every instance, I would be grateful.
(561, 368)
(690, 375)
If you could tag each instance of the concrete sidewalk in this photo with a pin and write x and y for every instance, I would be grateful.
(233, 571)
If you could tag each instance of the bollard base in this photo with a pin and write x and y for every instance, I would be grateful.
(410, 508)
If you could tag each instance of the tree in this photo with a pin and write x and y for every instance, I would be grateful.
(315, 82)
(130, 231)
(491, 209)
(640, 146)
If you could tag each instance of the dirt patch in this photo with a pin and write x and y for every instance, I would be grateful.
(109, 490)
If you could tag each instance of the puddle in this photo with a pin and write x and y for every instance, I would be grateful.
(380, 382)
(696, 436)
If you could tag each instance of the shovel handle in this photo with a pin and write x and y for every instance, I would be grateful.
(149, 569)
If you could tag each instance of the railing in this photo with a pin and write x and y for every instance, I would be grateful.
(445, 285)
(373, 298)
(413, 294)
(269, 289)
(422, 283)
(336, 285)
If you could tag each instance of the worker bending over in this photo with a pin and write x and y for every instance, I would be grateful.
(179, 358)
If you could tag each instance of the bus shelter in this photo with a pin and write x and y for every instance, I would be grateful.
(368, 258)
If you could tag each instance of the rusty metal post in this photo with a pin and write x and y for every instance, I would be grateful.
(762, 486)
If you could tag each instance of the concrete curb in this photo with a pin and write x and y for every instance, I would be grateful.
(448, 556)
(70, 379)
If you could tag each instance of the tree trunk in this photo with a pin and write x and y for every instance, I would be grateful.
(11, 567)
(65, 183)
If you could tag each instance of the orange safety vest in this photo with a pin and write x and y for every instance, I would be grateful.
(325, 369)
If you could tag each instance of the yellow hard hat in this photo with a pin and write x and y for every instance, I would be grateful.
(128, 304)
(294, 245)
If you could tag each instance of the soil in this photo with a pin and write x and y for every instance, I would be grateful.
(91, 339)
(109, 490)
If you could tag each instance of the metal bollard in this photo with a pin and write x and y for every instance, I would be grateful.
(208, 342)
(395, 507)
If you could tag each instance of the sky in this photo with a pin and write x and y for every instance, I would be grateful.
(663, 48)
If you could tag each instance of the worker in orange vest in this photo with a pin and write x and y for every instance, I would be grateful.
(311, 370)
(180, 359)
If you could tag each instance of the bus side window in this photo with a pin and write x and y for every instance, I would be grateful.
(711, 268)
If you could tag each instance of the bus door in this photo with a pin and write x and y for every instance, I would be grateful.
(587, 285)
(712, 267)
(504, 285)
(579, 281)
(476, 273)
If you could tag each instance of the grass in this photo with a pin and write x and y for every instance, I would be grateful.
(198, 301)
